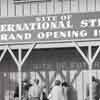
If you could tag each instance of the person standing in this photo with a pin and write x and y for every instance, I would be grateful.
(56, 92)
(94, 89)
(44, 94)
(26, 86)
(65, 86)
(72, 93)
(16, 92)
(35, 91)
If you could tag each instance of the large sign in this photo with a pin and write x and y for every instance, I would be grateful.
(50, 28)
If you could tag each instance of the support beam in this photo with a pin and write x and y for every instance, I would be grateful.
(47, 81)
(75, 76)
(96, 53)
(41, 76)
(19, 68)
(20, 55)
(19, 83)
(90, 71)
(19, 62)
(3, 53)
(89, 62)
(81, 52)
(19, 72)
(27, 54)
(61, 74)
(52, 79)
(13, 56)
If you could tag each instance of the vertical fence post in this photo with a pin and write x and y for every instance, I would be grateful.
(19, 72)
(89, 62)
(19, 81)
(90, 71)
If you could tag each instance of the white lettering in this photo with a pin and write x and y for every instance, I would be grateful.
(19, 36)
(62, 34)
(3, 37)
(69, 25)
(95, 33)
(56, 35)
(25, 27)
(41, 35)
(83, 33)
(38, 19)
(38, 26)
(66, 17)
(11, 37)
(45, 25)
(33, 26)
(92, 22)
(98, 23)
(75, 34)
(3, 28)
(84, 23)
(54, 18)
(54, 25)
(48, 34)
(18, 27)
(61, 25)
(27, 36)
(11, 27)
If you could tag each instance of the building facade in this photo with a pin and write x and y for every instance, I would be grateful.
(52, 61)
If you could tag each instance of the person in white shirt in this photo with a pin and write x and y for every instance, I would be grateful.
(56, 92)
(35, 91)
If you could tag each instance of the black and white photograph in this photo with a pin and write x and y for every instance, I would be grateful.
(49, 49)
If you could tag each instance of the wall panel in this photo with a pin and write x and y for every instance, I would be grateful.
(11, 8)
(91, 5)
(74, 6)
(42, 8)
(58, 8)
(50, 7)
(34, 9)
(3, 7)
(26, 9)
(66, 6)
(97, 5)
(78, 86)
(82, 5)
(19, 10)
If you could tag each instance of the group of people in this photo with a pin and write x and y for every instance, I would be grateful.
(60, 91)
(30, 91)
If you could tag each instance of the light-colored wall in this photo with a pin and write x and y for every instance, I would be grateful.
(7, 7)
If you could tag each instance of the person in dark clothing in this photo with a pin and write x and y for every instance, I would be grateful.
(44, 94)
(65, 86)
(72, 93)
(25, 87)
(16, 93)
(95, 89)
